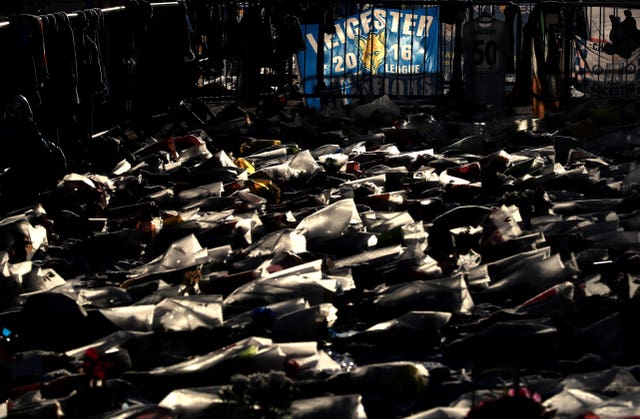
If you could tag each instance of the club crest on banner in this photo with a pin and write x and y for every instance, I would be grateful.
(372, 51)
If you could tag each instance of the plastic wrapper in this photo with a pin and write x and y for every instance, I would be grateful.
(188, 314)
(351, 243)
(183, 253)
(330, 221)
(611, 381)
(284, 240)
(196, 402)
(530, 279)
(267, 313)
(253, 354)
(379, 181)
(501, 268)
(558, 298)
(138, 318)
(382, 222)
(190, 147)
(108, 343)
(325, 149)
(621, 407)
(347, 406)
(379, 255)
(308, 323)
(288, 264)
(501, 225)
(583, 206)
(224, 159)
(446, 294)
(572, 402)
(383, 107)
(403, 330)
(301, 281)
(444, 412)
(203, 191)
(21, 238)
(301, 165)
(520, 342)
(104, 297)
(631, 180)
(397, 382)
(333, 162)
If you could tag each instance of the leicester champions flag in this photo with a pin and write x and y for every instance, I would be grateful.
(376, 52)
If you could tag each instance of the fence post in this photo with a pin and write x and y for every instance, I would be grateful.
(569, 15)
(320, 86)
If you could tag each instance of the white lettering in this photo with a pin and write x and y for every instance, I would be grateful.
(395, 21)
(312, 42)
(402, 69)
(365, 22)
(340, 36)
(406, 87)
(409, 22)
(424, 24)
(350, 24)
(327, 40)
(379, 19)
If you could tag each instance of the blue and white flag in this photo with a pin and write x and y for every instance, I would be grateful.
(376, 52)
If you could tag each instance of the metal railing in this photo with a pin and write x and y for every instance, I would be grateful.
(337, 51)
(407, 63)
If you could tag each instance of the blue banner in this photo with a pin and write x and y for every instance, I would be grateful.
(376, 52)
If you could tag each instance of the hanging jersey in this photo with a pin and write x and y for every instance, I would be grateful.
(485, 45)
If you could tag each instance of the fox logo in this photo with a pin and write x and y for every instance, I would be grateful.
(372, 50)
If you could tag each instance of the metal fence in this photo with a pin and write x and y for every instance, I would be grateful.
(407, 49)
(322, 51)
